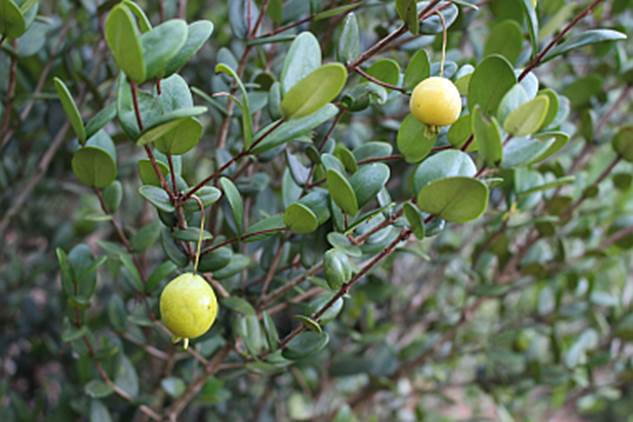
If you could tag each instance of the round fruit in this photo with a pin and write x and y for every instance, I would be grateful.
(188, 306)
(436, 102)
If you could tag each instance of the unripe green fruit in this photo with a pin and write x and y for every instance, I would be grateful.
(436, 102)
(188, 306)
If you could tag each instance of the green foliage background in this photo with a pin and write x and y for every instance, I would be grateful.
(367, 266)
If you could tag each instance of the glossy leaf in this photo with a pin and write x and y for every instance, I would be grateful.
(505, 39)
(95, 163)
(71, 110)
(314, 91)
(582, 39)
(441, 165)
(304, 57)
(349, 42)
(124, 42)
(235, 201)
(342, 192)
(197, 35)
(369, 180)
(415, 140)
(493, 77)
(161, 45)
(527, 118)
(488, 137)
(12, 23)
(418, 69)
(456, 199)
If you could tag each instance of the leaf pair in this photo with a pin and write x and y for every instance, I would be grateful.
(152, 53)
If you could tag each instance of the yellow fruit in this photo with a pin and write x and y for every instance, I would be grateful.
(436, 102)
(188, 306)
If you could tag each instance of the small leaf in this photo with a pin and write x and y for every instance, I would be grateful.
(161, 44)
(247, 124)
(385, 70)
(157, 196)
(414, 217)
(216, 260)
(99, 120)
(589, 37)
(300, 219)
(529, 9)
(408, 12)
(148, 175)
(415, 141)
(175, 137)
(493, 77)
(488, 137)
(623, 143)
(12, 23)
(505, 39)
(527, 118)
(441, 165)
(294, 128)
(349, 42)
(239, 305)
(144, 23)
(95, 163)
(198, 33)
(209, 195)
(304, 56)
(145, 237)
(341, 192)
(234, 198)
(98, 389)
(314, 91)
(126, 377)
(369, 180)
(305, 344)
(456, 199)
(124, 42)
(418, 69)
(338, 270)
(173, 386)
(309, 323)
(71, 110)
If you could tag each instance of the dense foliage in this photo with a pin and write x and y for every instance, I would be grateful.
(366, 264)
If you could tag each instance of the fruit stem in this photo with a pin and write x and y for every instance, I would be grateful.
(200, 237)
(444, 39)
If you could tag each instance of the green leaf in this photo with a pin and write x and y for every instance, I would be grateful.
(623, 143)
(341, 192)
(441, 165)
(492, 78)
(418, 69)
(407, 10)
(488, 137)
(304, 56)
(271, 225)
(589, 37)
(523, 151)
(148, 175)
(239, 305)
(98, 389)
(335, 11)
(529, 10)
(216, 260)
(235, 201)
(415, 141)
(145, 237)
(560, 139)
(171, 249)
(99, 120)
(512, 100)
(505, 39)
(624, 328)
(527, 118)
(337, 267)
(124, 42)
(12, 23)
(349, 42)
(175, 137)
(112, 196)
(126, 378)
(414, 217)
(457, 199)
(369, 180)
(157, 196)
(300, 219)
(271, 331)
(144, 23)
(71, 110)
(385, 70)
(160, 273)
(191, 234)
(294, 128)
(198, 33)
(99, 412)
(209, 195)
(552, 110)
(95, 163)
(309, 323)
(314, 91)
(173, 386)
(161, 45)
(247, 124)
(306, 344)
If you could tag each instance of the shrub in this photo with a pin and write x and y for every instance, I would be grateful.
(397, 204)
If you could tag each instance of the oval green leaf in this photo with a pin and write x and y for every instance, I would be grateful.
(70, 108)
(341, 192)
(124, 42)
(527, 118)
(456, 199)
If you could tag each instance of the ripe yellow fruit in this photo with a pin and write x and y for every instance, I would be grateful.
(436, 102)
(188, 306)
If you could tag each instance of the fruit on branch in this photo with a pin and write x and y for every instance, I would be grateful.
(188, 306)
(436, 102)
